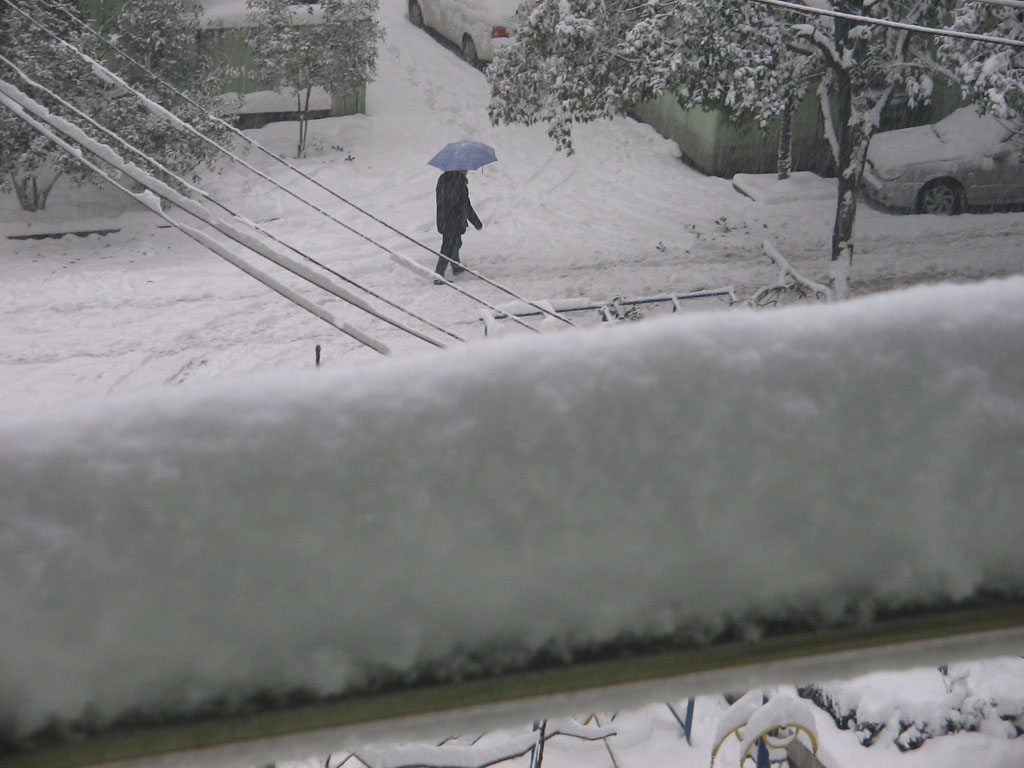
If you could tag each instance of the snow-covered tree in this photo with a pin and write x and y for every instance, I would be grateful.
(992, 75)
(331, 44)
(162, 36)
(578, 60)
(158, 34)
(29, 164)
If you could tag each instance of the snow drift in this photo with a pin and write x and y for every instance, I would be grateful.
(668, 478)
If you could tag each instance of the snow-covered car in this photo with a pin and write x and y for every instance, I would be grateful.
(964, 159)
(477, 27)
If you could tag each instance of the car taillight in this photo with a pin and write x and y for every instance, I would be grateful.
(499, 31)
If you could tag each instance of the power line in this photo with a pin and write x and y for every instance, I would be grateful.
(113, 79)
(15, 101)
(1007, 3)
(892, 24)
(313, 278)
(407, 262)
(343, 295)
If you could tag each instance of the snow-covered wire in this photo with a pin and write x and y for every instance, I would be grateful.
(799, 8)
(44, 126)
(174, 119)
(325, 285)
(113, 79)
(1007, 3)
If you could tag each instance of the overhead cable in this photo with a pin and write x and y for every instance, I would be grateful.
(892, 24)
(112, 78)
(153, 107)
(319, 282)
(1007, 3)
(42, 122)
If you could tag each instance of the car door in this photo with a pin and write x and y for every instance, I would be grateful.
(1007, 175)
(451, 19)
(429, 10)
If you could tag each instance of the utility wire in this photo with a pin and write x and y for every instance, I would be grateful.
(344, 296)
(44, 126)
(408, 262)
(1007, 3)
(113, 79)
(892, 24)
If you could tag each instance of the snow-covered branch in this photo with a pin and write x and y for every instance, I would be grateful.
(825, 101)
(788, 280)
(822, 42)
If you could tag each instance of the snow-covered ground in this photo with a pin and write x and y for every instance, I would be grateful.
(165, 435)
(622, 217)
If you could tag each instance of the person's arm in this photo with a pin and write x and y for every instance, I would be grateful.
(471, 214)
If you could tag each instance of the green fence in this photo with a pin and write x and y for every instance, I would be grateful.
(228, 47)
(715, 144)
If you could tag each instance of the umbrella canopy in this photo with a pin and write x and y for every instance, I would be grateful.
(463, 156)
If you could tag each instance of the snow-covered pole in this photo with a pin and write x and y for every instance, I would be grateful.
(194, 208)
(151, 200)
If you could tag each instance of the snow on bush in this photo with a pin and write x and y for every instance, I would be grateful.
(467, 511)
(913, 706)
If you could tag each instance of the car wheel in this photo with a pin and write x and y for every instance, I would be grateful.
(942, 196)
(415, 14)
(469, 51)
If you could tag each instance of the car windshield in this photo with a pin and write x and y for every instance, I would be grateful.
(965, 123)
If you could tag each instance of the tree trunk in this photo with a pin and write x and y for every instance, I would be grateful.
(30, 196)
(303, 122)
(846, 198)
(785, 159)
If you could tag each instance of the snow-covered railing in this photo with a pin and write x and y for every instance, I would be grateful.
(610, 310)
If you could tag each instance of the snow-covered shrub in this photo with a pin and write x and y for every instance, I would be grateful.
(987, 697)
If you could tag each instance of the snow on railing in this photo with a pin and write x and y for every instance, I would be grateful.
(613, 309)
(474, 756)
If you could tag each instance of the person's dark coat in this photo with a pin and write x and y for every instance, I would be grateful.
(453, 207)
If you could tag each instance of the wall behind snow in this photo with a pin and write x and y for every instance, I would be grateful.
(306, 529)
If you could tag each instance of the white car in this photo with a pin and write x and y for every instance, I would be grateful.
(477, 27)
(962, 160)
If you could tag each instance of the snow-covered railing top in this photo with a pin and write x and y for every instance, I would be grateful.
(609, 309)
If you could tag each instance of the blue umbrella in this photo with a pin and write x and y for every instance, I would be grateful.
(463, 156)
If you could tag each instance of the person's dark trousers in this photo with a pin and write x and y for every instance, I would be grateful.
(450, 245)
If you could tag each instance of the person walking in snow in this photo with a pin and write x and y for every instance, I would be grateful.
(454, 211)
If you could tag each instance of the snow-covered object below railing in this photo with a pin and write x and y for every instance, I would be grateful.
(463, 510)
(790, 715)
(475, 756)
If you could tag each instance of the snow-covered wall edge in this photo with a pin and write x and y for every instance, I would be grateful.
(473, 507)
